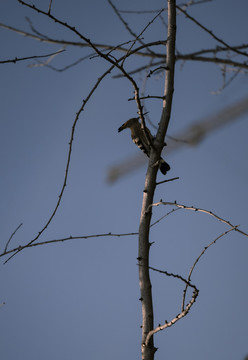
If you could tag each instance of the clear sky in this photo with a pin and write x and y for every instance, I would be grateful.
(79, 299)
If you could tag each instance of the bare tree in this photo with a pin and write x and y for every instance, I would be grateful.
(158, 58)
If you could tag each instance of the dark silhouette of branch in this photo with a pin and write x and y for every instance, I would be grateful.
(168, 180)
(71, 238)
(67, 164)
(50, 5)
(183, 312)
(137, 37)
(11, 236)
(56, 241)
(211, 33)
(185, 207)
(15, 60)
(198, 258)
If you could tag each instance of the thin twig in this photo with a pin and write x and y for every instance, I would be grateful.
(35, 31)
(216, 50)
(183, 313)
(50, 5)
(148, 97)
(67, 67)
(211, 33)
(164, 181)
(67, 164)
(164, 216)
(185, 207)
(226, 83)
(137, 37)
(198, 258)
(11, 236)
(30, 57)
(69, 238)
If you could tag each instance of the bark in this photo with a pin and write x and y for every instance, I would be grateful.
(148, 348)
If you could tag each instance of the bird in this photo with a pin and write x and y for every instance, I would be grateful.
(140, 138)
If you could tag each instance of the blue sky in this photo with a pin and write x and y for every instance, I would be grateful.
(79, 299)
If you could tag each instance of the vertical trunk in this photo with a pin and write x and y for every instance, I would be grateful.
(148, 350)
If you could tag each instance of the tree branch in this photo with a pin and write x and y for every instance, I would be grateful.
(30, 57)
(183, 312)
(147, 347)
(211, 33)
(198, 258)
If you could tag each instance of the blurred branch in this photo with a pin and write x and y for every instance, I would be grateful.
(45, 39)
(190, 57)
(226, 82)
(192, 136)
(214, 60)
(215, 50)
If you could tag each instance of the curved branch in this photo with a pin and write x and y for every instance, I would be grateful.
(198, 258)
(183, 313)
(67, 164)
(185, 207)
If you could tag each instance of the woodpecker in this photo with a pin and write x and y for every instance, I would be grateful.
(139, 137)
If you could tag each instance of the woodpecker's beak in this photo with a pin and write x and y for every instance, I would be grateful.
(122, 127)
(129, 124)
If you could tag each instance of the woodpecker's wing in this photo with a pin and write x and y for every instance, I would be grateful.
(139, 137)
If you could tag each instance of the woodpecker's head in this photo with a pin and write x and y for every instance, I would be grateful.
(128, 124)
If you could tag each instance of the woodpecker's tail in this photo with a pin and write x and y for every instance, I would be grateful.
(164, 167)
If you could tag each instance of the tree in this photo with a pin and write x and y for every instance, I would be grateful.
(126, 59)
